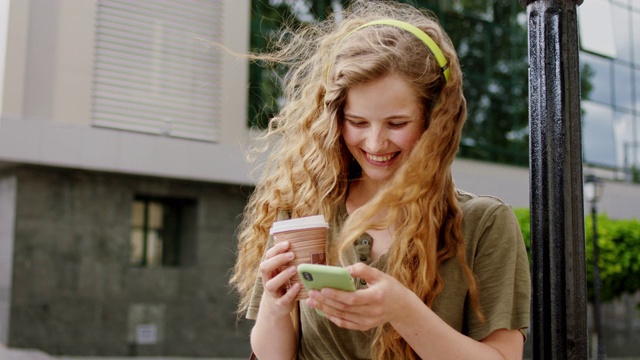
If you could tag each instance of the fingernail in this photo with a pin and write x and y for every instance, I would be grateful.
(292, 270)
(290, 255)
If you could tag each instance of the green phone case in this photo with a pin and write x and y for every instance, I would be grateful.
(317, 277)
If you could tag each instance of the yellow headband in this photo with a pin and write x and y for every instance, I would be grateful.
(426, 39)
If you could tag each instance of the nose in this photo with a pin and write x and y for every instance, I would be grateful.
(376, 139)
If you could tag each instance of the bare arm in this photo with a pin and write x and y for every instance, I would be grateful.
(419, 323)
(386, 300)
(273, 335)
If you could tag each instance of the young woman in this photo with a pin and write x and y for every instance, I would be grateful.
(366, 138)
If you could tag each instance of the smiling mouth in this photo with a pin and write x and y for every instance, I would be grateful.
(380, 158)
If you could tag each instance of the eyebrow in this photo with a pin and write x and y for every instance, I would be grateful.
(392, 117)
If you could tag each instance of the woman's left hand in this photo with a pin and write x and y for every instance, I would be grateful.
(381, 302)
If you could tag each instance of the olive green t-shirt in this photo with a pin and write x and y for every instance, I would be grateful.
(496, 254)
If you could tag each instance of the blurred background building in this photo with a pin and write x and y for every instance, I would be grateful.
(123, 174)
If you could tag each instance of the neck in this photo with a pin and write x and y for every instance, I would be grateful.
(360, 192)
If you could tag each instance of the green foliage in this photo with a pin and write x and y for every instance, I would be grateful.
(524, 219)
(267, 18)
(635, 174)
(619, 253)
(491, 40)
(619, 263)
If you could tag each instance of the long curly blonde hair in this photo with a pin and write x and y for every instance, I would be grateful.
(308, 170)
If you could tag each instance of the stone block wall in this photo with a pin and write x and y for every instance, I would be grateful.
(74, 291)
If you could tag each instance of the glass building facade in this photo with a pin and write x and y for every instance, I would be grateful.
(610, 62)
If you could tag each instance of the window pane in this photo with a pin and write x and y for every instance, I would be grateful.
(623, 86)
(137, 247)
(137, 214)
(623, 130)
(637, 99)
(597, 131)
(154, 249)
(635, 159)
(622, 30)
(596, 28)
(597, 76)
(636, 36)
(155, 215)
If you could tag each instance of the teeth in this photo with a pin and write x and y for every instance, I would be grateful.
(379, 158)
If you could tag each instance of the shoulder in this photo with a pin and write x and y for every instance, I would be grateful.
(474, 206)
(487, 219)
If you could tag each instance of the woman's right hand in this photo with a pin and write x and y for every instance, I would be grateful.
(278, 298)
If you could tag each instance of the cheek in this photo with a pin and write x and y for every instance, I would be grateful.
(408, 140)
(349, 136)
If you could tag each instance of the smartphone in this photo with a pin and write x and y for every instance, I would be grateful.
(317, 277)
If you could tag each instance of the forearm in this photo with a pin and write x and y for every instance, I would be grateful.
(273, 337)
(428, 334)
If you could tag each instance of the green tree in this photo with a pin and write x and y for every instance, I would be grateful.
(267, 18)
(491, 40)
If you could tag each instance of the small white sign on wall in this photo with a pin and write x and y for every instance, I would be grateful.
(146, 334)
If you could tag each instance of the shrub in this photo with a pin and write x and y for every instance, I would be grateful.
(619, 255)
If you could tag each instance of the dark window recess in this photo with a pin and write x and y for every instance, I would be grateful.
(162, 232)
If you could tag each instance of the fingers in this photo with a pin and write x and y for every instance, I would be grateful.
(364, 271)
(336, 302)
(275, 258)
(289, 296)
(344, 315)
(359, 310)
(274, 284)
(277, 249)
(276, 273)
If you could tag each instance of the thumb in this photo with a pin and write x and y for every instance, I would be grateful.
(364, 271)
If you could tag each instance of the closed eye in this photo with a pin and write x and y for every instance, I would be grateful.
(357, 123)
(398, 125)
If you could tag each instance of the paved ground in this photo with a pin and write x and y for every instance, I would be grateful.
(15, 354)
(21, 354)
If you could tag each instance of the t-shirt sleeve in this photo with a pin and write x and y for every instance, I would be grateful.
(256, 297)
(501, 266)
(254, 303)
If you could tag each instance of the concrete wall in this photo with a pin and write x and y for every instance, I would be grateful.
(7, 221)
(620, 200)
(74, 291)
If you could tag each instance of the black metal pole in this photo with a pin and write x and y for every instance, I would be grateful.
(601, 353)
(559, 305)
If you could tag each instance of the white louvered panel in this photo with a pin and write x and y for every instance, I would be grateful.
(154, 71)
(146, 107)
(150, 10)
(135, 61)
(169, 86)
(119, 89)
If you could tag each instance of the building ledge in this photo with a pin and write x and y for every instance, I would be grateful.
(42, 142)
